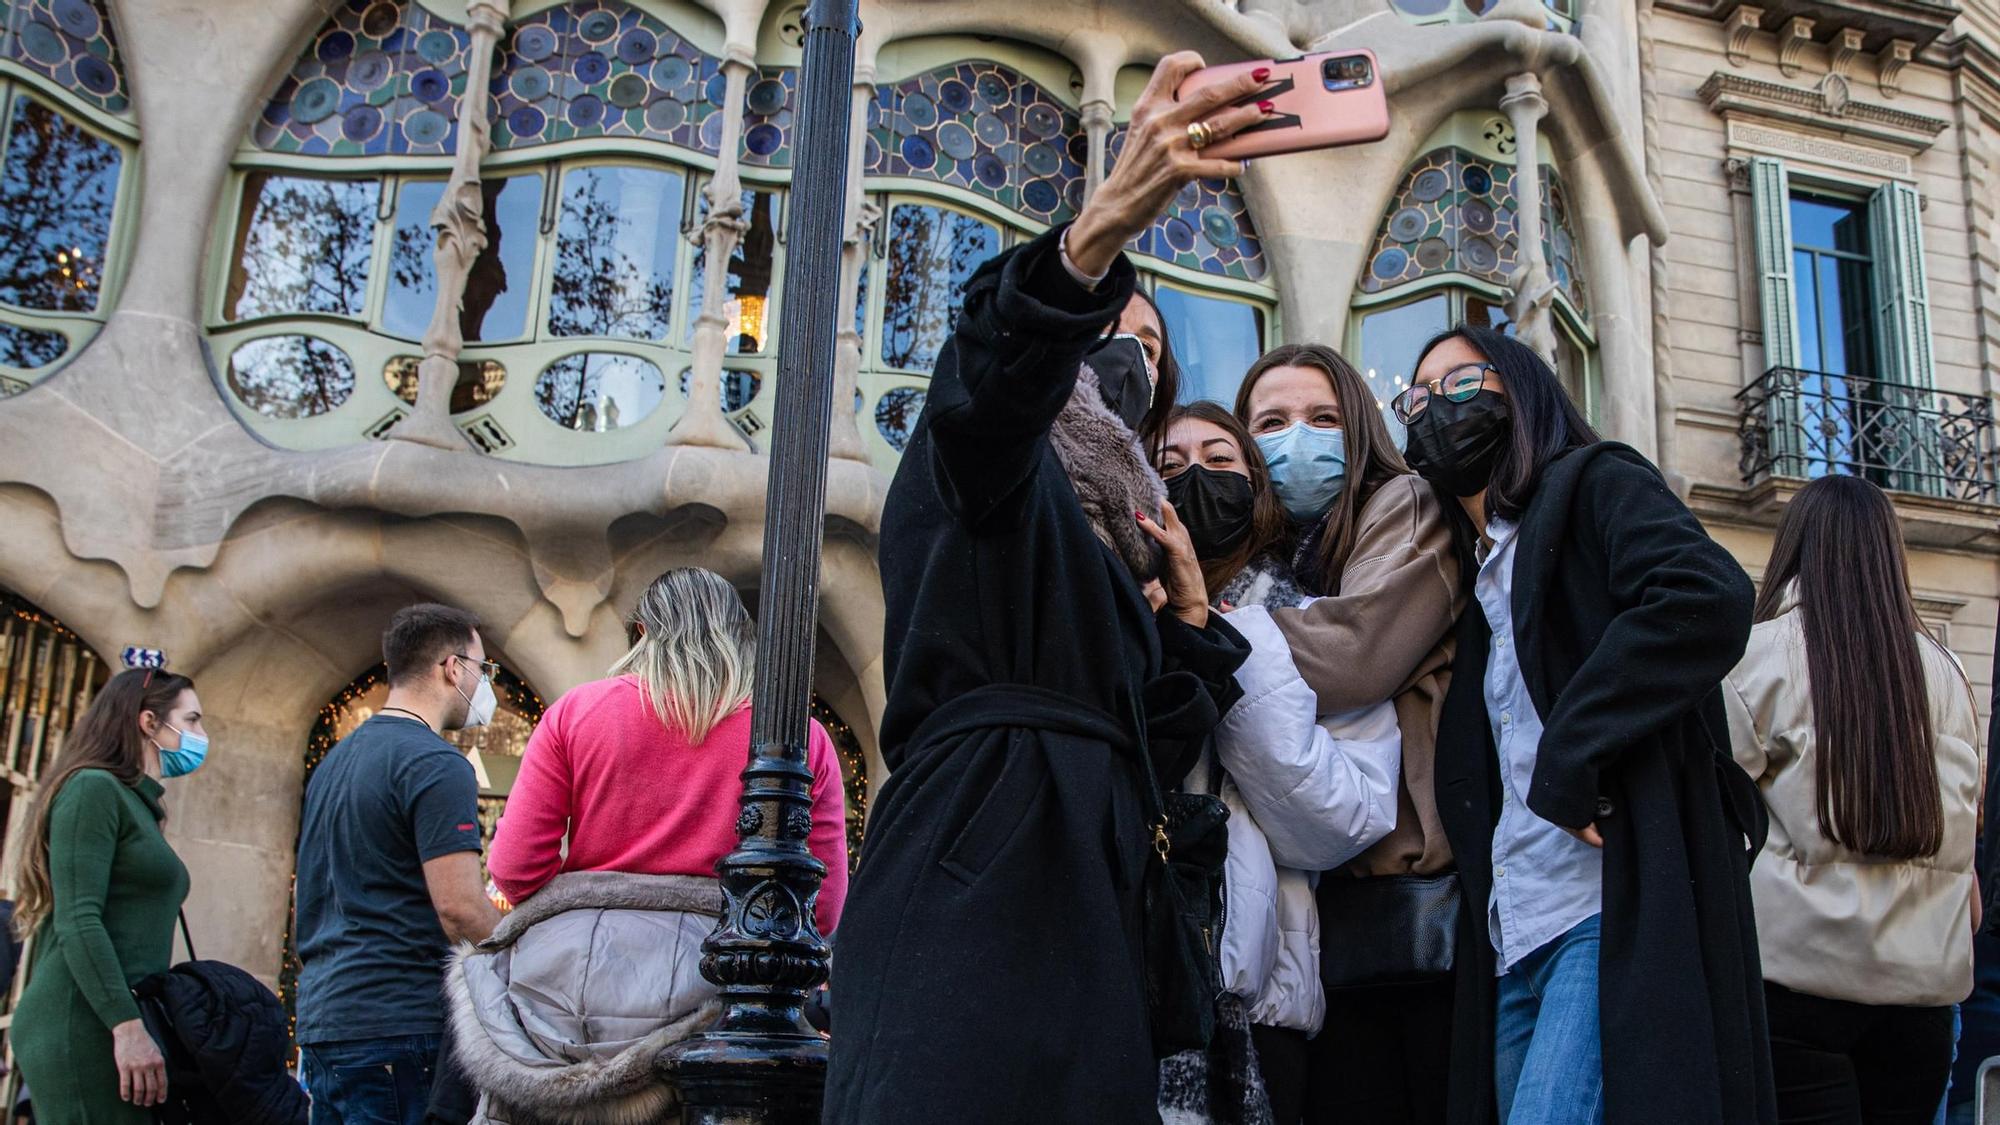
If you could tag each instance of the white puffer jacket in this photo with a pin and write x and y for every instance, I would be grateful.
(1305, 794)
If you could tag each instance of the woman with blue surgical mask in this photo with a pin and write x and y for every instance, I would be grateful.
(1372, 557)
(98, 887)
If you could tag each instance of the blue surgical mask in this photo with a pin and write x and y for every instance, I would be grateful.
(1308, 467)
(185, 758)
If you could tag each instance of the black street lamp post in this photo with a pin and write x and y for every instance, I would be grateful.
(762, 1063)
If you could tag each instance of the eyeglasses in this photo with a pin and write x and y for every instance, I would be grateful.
(1456, 385)
(487, 668)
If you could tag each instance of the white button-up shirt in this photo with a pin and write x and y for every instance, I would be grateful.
(1545, 881)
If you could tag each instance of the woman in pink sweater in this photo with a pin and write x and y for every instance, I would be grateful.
(641, 771)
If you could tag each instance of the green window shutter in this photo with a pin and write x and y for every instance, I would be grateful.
(1771, 203)
(1902, 296)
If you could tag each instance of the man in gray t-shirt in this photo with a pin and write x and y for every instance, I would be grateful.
(388, 876)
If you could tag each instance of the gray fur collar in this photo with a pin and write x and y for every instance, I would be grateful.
(607, 890)
(1110, 474)
(625, 1089)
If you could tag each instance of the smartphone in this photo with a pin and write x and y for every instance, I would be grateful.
(1324, 101)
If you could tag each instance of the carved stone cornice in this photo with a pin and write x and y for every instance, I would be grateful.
(1828, 107)
(1792, 44)
(1743, 23)
(1922, 22)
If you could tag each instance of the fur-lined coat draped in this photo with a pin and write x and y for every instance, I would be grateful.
(558, 1017)
(988, 966)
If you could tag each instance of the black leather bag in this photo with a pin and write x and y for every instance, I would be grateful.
(1387, 929)
(1183, 912)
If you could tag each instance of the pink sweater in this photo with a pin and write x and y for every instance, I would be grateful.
(636, 797)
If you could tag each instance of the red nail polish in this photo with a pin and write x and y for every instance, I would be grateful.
(1140, 516)
(1268, 107)
(1261, 73)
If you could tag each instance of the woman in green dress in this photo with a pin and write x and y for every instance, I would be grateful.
(99, 890)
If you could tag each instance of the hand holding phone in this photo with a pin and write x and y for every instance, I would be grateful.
(1325, 100)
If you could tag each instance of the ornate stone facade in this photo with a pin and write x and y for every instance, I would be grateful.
(313, 351)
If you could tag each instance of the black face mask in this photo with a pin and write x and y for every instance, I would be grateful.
(1216, 507)
(1123, 376)
(1455, 445)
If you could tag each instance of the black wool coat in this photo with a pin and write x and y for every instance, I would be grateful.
(1626, 618)
(988, 962)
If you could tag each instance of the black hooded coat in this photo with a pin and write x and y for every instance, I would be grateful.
(1626, 618)
(988, 966)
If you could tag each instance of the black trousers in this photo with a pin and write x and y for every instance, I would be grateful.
(1382, 1058)
(1842, 1063)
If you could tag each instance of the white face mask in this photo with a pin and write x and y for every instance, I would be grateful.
(479, 708)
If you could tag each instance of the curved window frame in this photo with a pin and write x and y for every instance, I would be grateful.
(78, 328)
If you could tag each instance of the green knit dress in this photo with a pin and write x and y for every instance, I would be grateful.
(118, 887)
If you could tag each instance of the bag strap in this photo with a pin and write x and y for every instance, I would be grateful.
(187, 938)
(1156, 803)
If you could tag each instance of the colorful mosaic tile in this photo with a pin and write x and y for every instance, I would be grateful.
(986, 128)
(1455, 213)
(69, 42)
(1208, 227)
(382, 77)
(600, 68)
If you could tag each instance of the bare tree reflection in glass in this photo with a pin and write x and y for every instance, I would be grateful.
(615, 254)
(57, 190)
(495, 305)
(933, 253)
(304, 246)
(595, 392)
(290, 376)
(30, 347)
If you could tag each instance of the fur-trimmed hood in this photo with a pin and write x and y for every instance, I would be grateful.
(1111, 475)
(558, 1018)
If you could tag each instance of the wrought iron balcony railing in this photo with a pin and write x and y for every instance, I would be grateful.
(1805, 424)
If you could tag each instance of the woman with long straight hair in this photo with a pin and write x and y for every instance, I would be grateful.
(640, 774)
(99, 888)
(1607, 953)
(1860, 729)
(1370, 543)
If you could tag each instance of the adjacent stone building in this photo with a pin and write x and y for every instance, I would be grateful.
(294, 330)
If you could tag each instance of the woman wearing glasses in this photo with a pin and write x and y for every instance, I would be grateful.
(1369, 543)
(1607, 959)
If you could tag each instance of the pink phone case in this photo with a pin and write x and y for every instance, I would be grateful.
(1322, 100)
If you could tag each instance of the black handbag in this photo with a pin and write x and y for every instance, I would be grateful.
(1183, 910)
(1387, 929)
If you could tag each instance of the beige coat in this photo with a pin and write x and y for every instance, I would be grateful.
(1388, 635)
(1832, 922)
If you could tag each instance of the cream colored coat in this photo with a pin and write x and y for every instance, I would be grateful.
(1832, 922)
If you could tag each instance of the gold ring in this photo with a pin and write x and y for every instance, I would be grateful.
(1199, 134)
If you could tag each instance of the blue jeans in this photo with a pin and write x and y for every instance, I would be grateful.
(1547, 1062)
(371, 1081)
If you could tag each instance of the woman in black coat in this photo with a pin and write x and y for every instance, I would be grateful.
(989, 961)
(1607, 967)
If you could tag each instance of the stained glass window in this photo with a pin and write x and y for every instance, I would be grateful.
(986, 128)
(617, 247)
(501, 284)
(933, 253)
(69, 42)
(290, 376)
(57, 190)
(1206, 228)
(599, 391)
(747, 296)
(303, 245)
(382, 77)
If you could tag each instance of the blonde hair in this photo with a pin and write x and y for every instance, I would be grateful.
(696, 652)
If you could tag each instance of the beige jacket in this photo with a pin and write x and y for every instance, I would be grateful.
(1831, 922)
(1388, 635)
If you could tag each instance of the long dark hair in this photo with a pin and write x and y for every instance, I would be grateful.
(1268, 524)
(1372, 458)
(1166, 385)
(106, 738)
(1876, 783)
(1546, 423)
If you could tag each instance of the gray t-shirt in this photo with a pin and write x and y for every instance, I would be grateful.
(388, 798)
